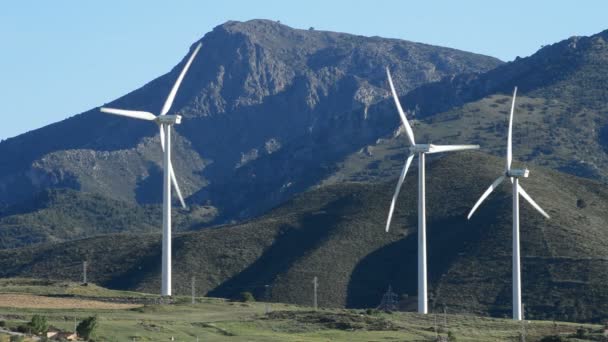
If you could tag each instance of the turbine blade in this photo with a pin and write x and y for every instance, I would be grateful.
(408, 162)
(171, 97)
(135, 114)
(408, 128)
(510, 134)
(449, 148)
(176, 186)
(486, 194)
(527, 197)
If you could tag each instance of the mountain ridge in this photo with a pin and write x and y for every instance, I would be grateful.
(236, 83)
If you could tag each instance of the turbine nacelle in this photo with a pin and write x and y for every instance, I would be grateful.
(518, 173)
(421, 148)
(168, 119)
(430, 148)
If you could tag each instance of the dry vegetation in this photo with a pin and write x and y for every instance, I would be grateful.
(23, 301)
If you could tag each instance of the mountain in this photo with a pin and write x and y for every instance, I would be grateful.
(336, 232)
(263, 104)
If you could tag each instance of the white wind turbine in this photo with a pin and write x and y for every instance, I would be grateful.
(165, 122)
(514, 175)
(421, 150)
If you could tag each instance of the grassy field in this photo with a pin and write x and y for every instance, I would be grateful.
(212, 319)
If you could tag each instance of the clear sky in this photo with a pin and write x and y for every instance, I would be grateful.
(59, 58)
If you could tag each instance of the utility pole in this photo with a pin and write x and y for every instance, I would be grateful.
(315, 282)
(193, 289)
(522, 335)
(389, 301)
(445, 317)
(84, 273)
(267, 307)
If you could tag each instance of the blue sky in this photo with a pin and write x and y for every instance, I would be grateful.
(60, 58)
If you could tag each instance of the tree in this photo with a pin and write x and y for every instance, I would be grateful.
(38, 325)
(246, 297)
(86, 328)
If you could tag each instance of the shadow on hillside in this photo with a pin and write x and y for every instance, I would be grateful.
(397, 264)
(291, 243)
(147, 190)
(148, 267)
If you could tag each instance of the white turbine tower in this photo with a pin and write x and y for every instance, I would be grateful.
(514, 175)
(421, 150)
(165, 122)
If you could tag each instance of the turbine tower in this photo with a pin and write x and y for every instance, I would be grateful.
(514, 175)
(164, 122)
(421, 150)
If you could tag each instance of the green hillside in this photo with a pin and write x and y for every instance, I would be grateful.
(336, 232)
(56, 215)
(561, 118)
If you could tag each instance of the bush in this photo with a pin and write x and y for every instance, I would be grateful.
(451, 337)
(86, 328)
(580, 203)
(552, 338)
(581, 333)
(246, 297)
(38, 325)
(24, 328)
(372, 312)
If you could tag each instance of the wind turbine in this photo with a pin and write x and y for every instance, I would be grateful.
(164, 122)
(421, 150)
(514, 175)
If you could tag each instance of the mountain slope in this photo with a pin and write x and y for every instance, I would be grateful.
(56, 215)
(336, 233)
(561, 118)
(256, 88)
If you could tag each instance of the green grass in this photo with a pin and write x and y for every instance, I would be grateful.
(219, 320)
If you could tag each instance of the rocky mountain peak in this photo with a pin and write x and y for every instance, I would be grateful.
(263, 104)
